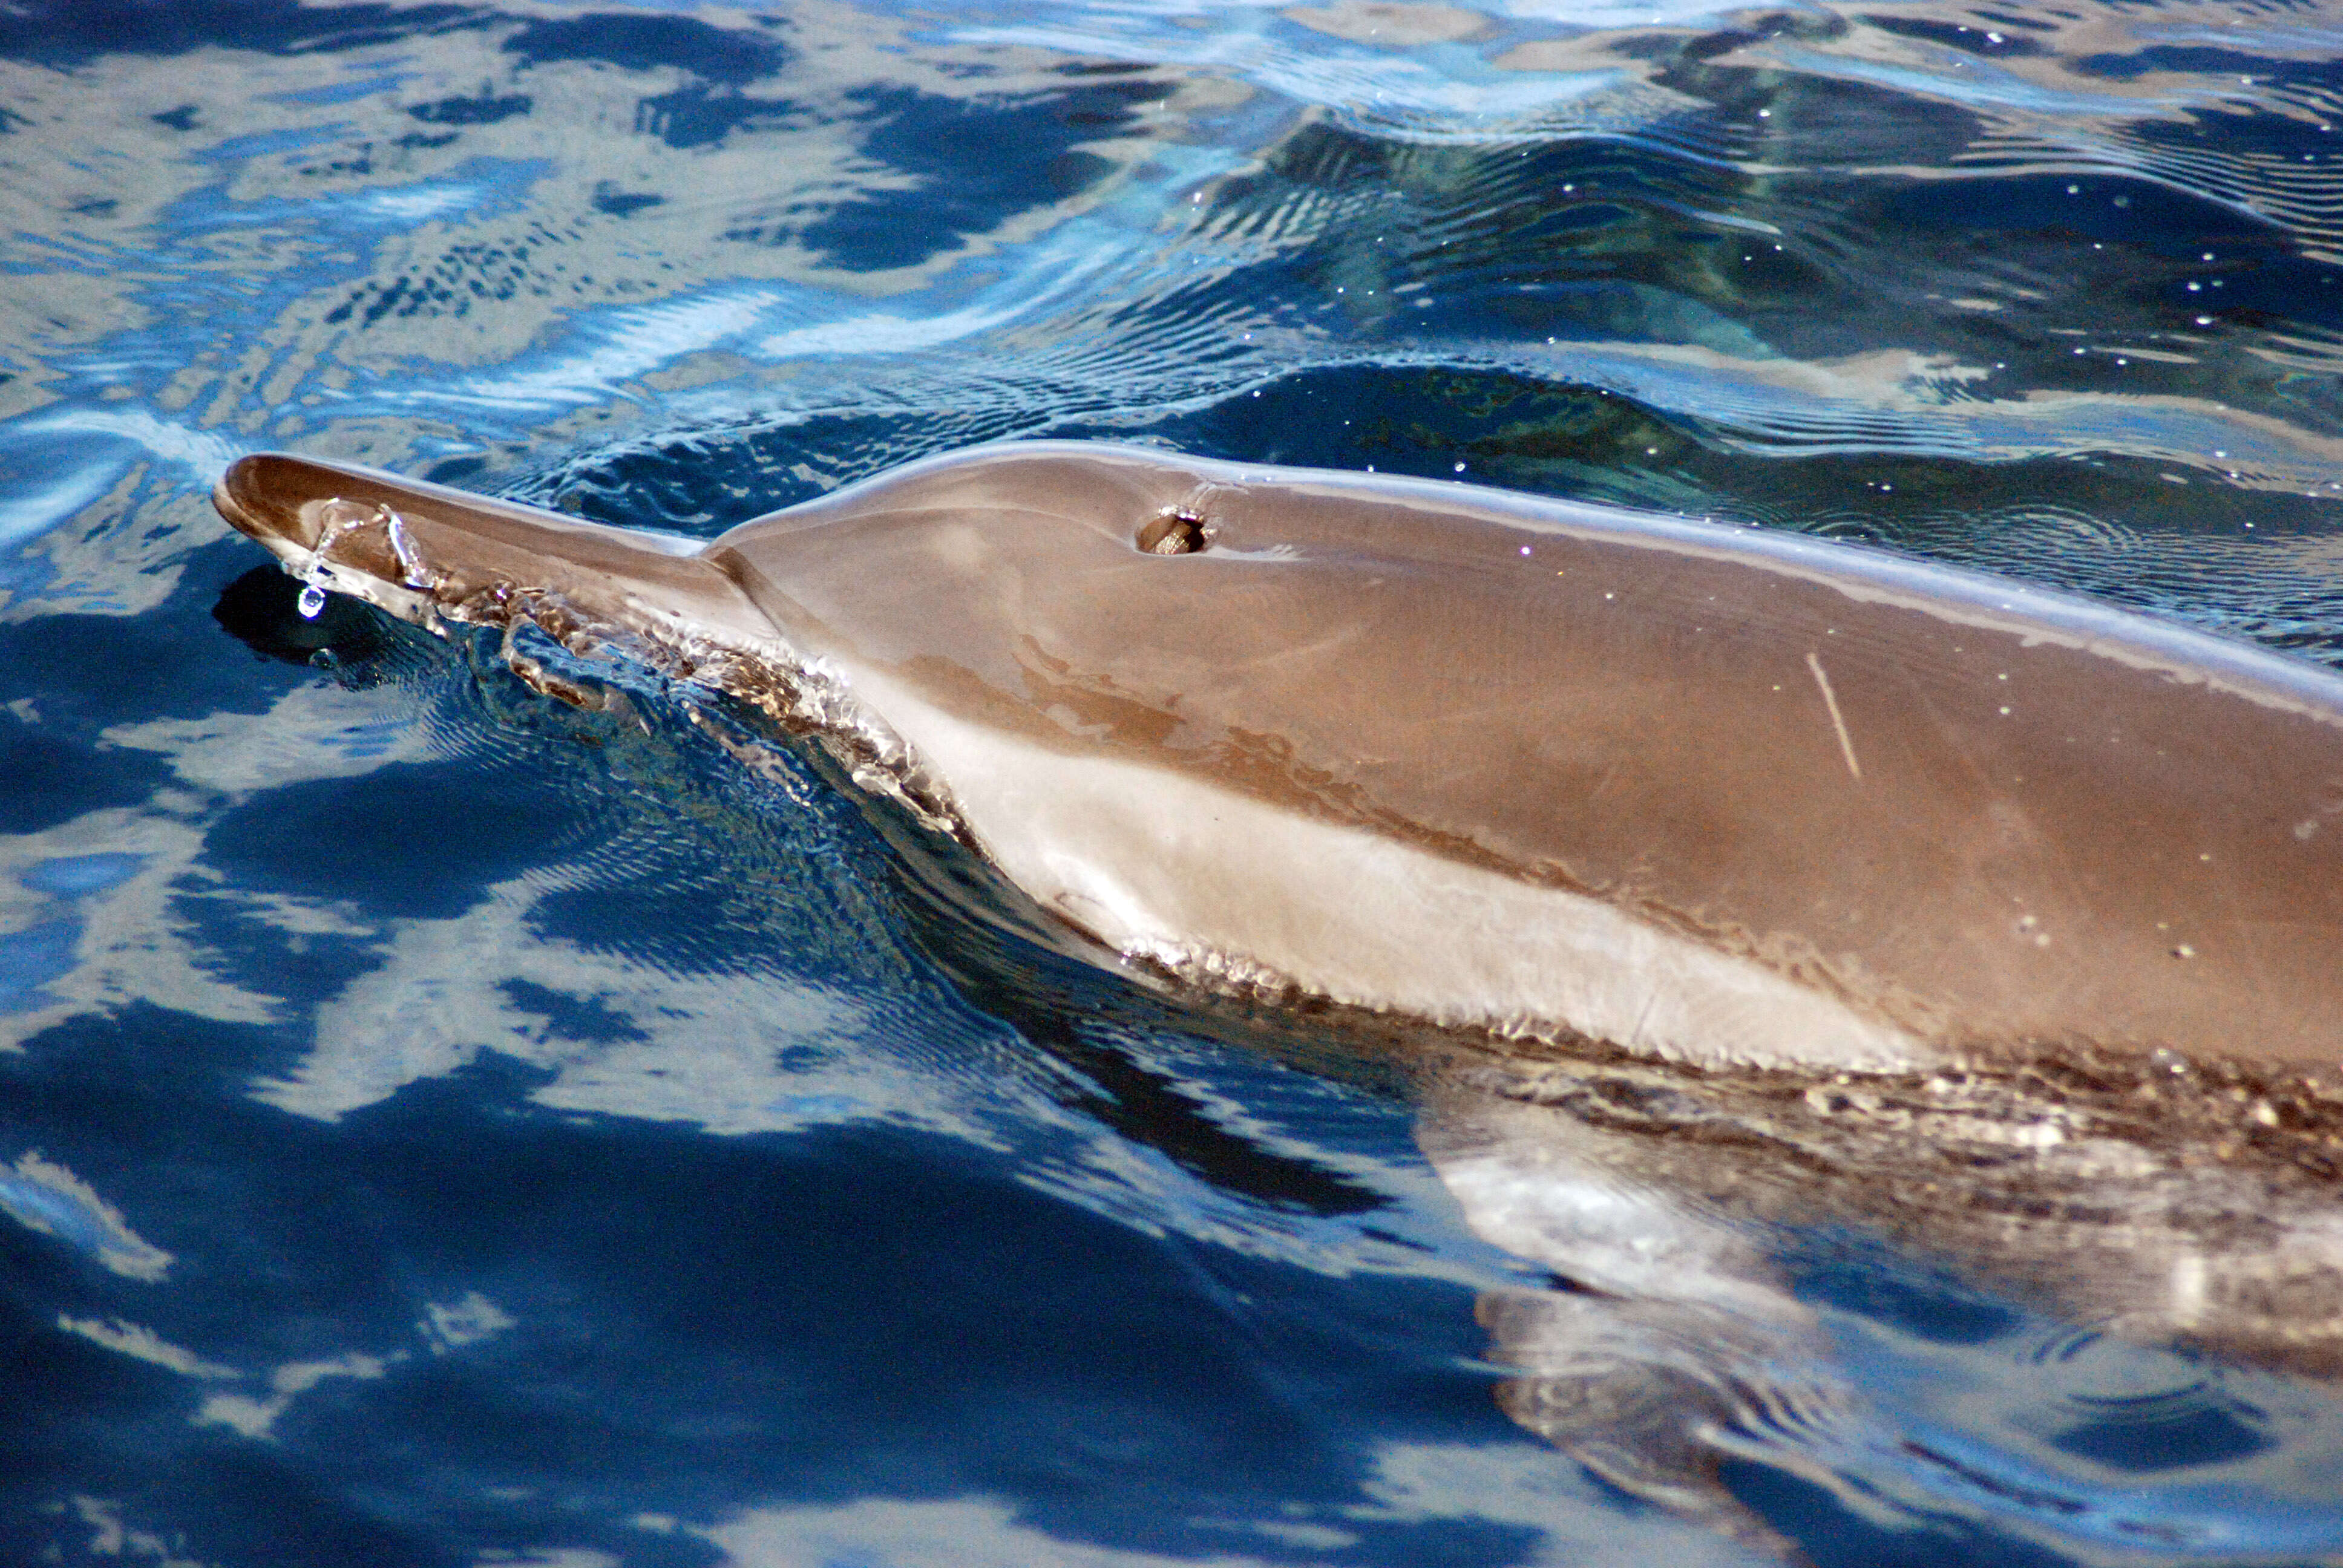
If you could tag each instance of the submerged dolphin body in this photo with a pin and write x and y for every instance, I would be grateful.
(1488, 760)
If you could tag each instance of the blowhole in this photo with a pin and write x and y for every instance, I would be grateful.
(1175, 534)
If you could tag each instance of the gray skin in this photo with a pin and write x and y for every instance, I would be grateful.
(1504, 763)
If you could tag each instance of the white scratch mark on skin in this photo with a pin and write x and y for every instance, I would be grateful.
(1846, 746)
(1636, 1039)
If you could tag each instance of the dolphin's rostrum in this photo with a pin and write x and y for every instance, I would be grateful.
(1495, 762)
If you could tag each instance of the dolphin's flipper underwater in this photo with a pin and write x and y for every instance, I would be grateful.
(1495, 762)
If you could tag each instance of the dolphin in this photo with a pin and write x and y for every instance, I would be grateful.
(1540, 769)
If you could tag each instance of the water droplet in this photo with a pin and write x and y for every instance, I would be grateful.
(410, 560)
(313, 599)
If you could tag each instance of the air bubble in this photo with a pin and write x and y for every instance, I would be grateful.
(313, 599)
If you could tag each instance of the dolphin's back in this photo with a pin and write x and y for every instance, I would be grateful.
(1980, 811)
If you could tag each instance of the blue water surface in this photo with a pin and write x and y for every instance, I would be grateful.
(438, 1126)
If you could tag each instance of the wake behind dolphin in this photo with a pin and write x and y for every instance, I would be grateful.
(1496, 762)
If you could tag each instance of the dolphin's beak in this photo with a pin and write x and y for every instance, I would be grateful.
(263, 495)
(332, 524)
(416, 549)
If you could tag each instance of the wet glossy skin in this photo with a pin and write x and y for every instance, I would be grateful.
(1962, 813)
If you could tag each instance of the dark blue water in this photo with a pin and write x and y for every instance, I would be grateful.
(442, 1127)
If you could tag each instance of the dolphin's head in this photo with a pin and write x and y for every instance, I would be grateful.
(1499, 761)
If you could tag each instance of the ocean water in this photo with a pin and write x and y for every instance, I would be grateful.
(438, 1126)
